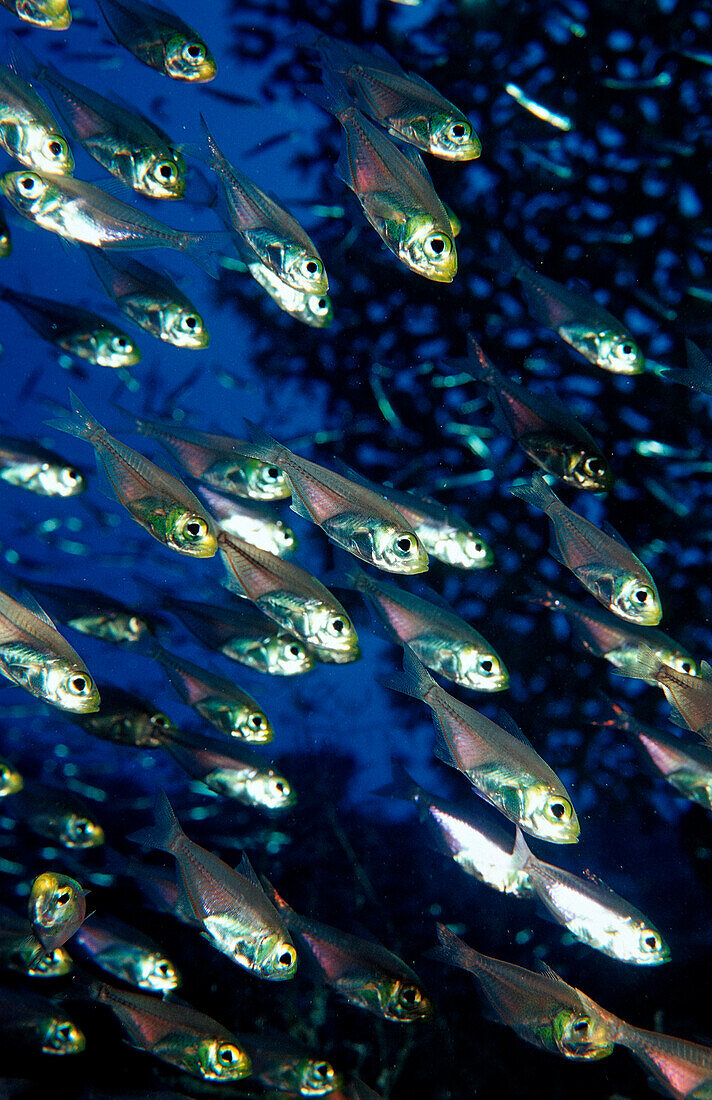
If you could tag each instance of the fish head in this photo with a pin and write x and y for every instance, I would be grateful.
(189, 59)
(681, 662)
(605, 348)
(548, 813)
(461, 547)
(271, 791)
(481, 671)
(641, 944)
(114, 349)
(284, 541)
(331, 632)
(34, 146)
(71, 687)
(53, 15)
(317, 1077)
(10, 779)
(221, 1060)
(406, 1002)
(427, 249)
(262, 480)
(395, 549)
(62, 1036)
(160, 175)
(32, 194)
(239, 720)
(158, 974)
(304, 270)
(190, 533)
(636, 600)
(275, 958)
(49, 964)
(587, 470)
(56, 902)
(78, 831)
(183, 327)
(288, 656)
(317, 310)
(60, 481)
(453, 137)
(583, 1035)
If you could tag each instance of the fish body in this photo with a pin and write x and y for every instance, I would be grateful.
(78, 331)
(393, 188)
(293, 598)
(151, 300)
(257, 525)
(10, 779)
(124, 142)
(31, 1021)
(353, 516)
(160, 39)
(95, 613)
(217, 460)
(233, 771)
(365, 973)
(59, 816)
(155, 499)
(480, 849)
(83, 213)
(28, 130)
(690, 697)
(541, 1008)
(236, 915)
(127, 719)
(247, 636)
(592, 912)
(21, 951)
(56, 908)
(697, 374)
(500, 764)
(311, 309)
(608, 636)
(438, 637)
(543, 427)
(680, 1069)
(52, 15)
(280, 1063)
(601, 562)
(176, 1033)
(267, 233)
(126, 954)
(686, 765)
(404, 103)
(29, 466)
(35, 656)
(576, 316)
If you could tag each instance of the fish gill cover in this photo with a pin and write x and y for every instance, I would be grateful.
(582, 223)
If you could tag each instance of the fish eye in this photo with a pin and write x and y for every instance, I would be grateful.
(410, 995)
(641, 595)
(82, 826)
(628, 350)
(286, 959)
(487, 666)
(160, 721)
(312, 266)
(459, 130)
(191, 322)
(164, 969)
(321, 306)
(29, 183)
(77, 685)
(64, 896)
(339, 625)
(272, 473)
(323, 1070)
(193, 51)
(403, 545)
(55, 148)
(72, 475)
(437, 246)
(686, 667)
(195, 529)
(581, 1027)
(255, 722)
(166, 170)
(294, 651)
(595, 467)
(651, 941)
(227, 1055)
(280, 786)
(560, 809)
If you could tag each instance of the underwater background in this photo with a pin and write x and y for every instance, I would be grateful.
(616, 198)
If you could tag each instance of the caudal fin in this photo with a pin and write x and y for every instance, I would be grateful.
(165, 831)
(81, 424)
(455, 951)
(538, 493)
(414, 680)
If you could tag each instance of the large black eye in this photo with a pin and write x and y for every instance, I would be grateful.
(160, 721)
(641, 595)
(438, 245)
(581, 1027)
(272, 472)
(191, 322)
(255, 721)
(280, 787)
(651, 942)
(77, 684)
(486, 666)
(458, 130)
(286, 959)
(167, 171)
(73, 475)
(404, 545)
(409, 995)
(294, 651)
(596, 467)
(55, 148)
(322, 1069)
(194, 51)
(82, 826)
(64, 897)
(27, 183)
(227, 1055)
(628, 349)
(558, 810)
(686, 667)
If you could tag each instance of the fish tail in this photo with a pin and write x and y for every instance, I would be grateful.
(414, 680)
(349, 575)
(522, 855)
(207, 249)
(615, 716)
(455, 951)
(208, 149)
(538, 493)
(478, 364)
(82, 424)
(544, 596)
(165, 831)
(331, 95)
(23, 61)
(403, 786)
(506, 258)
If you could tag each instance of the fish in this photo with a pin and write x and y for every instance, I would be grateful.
(155, 499)
(697, 374)
(159, 38)
(684, 764)
(96, 614)
(56, 908)
(365, 973)
(541, 1008)
(605, 635)
(35, 656)
(293, 598)
(443, 533)
(151, 300)
(5, 238)
(35, 1023)
(690, 697)
(315, 310)
(175, 1033)
(601, 561)
(21, 951)
(406, 104)
(545, 429)
(246, 635)
(80, 332)
(217, 699)
(126, 954)
(231, 770)
(499, 762)
(127, 719)
(280, 1063)
(393, 187)
(29, 132)
(11, 780)
(475, 845)
(25, 464)
(354, 517)
(52, 15)
(438, 637)
(237, 917)
(560, 122)
(679, 1068)
(120, 139)
(58, 815)
(592, 912)
(217, 460)
(255, 524)
(575, 315)
(267, 233)
(85, 214)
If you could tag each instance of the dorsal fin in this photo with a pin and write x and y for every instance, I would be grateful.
(612, 533)
(507, 723)
(547, 972)
(245, 868)
(29, 602)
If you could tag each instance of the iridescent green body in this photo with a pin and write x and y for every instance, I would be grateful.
(53, 15)
(56, 908)
(160, 39)
(306, 306)
(28, 130)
